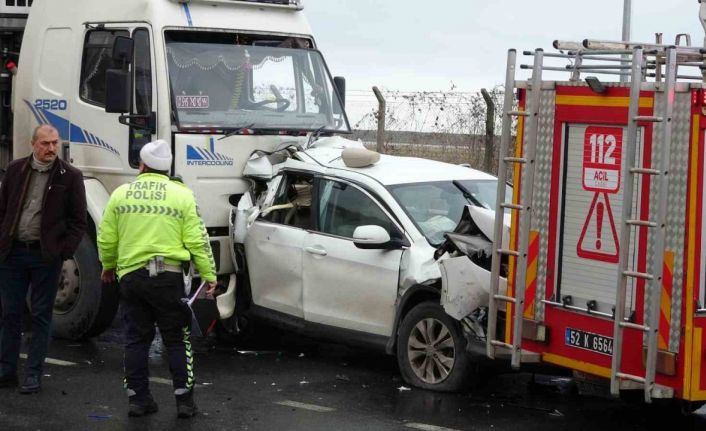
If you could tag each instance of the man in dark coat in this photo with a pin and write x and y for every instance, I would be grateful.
(42, 221)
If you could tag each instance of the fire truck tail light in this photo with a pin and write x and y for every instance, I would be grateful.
(698, 97)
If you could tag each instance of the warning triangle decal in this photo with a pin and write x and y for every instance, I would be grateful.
(599, 237)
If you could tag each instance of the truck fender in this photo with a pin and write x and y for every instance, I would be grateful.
(412, 296)
(96, 199)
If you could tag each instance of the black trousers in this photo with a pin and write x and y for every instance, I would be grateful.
(24, 267)
(145, 302)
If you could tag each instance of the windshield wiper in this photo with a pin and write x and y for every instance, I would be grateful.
(236, 131)
(466, 194)
(314, 136)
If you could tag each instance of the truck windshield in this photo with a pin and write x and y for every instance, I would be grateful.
(227, 86)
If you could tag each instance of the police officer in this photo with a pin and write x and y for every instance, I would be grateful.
(149, 228)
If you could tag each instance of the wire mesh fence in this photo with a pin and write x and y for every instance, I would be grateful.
(447, 126)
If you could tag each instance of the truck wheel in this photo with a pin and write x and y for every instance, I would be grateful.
(84, 306)
(431, 350)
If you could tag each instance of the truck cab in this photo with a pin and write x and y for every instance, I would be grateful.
(218, 79)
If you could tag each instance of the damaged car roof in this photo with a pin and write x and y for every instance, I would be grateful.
(391, 170)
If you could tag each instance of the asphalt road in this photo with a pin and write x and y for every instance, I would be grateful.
(285, 382)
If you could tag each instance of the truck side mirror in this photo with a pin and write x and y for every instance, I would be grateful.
(117, 81)
(117, 91)
(340, 83)
(123, 48)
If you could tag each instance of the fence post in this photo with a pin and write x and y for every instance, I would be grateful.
(381, 120)
(489, 131)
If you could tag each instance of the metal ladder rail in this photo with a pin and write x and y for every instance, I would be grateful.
(527, 191)
(500, 203)
(628, 177)
(629, 172)
(658, 257)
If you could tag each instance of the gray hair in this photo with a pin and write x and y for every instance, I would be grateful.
(35, 133)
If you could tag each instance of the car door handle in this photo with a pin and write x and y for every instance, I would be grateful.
(316, 251)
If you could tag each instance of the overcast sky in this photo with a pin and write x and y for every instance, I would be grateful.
(413, 45)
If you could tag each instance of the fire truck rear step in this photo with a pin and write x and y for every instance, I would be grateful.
(504, 351)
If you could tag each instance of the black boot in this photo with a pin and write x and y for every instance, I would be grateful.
(142, 407)
(186, 407)
(31, 385)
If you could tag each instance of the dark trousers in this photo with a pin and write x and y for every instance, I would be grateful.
(144, 302)
(24, 267)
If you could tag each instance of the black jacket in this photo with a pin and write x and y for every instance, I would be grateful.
(63, 208)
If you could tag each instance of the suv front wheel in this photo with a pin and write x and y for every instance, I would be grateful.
(431, 350)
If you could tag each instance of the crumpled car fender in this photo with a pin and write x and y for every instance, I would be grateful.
(465, 286)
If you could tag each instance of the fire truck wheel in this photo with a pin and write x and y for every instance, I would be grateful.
(431, 350)
(84, 306)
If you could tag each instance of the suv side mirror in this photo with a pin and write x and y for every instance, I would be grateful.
(371, 237)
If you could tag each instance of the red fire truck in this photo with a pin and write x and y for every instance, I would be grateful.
(607, 254)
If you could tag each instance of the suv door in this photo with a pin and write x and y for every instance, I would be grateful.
(273, 246)
(345, 286)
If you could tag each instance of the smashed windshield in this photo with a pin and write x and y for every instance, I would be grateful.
(437, 207)
(219, 85)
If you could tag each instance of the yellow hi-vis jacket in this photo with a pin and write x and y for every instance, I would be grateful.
(153, 216)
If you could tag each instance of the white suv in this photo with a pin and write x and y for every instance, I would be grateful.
(349, 253)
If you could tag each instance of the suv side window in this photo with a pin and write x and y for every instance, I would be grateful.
(343, 207)
(97, 50)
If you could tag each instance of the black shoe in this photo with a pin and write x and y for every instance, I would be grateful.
(8, 381)
(186, 407)
(136, 409)
(31, 385)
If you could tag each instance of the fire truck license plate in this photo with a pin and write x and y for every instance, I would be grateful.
(589, 341)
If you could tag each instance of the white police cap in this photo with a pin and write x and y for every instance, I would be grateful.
(157, 155)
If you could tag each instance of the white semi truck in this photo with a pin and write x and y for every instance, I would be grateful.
(217, 79)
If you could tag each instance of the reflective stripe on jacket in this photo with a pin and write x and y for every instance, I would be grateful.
(153, 216)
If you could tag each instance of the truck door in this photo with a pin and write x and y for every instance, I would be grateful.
(99, 143)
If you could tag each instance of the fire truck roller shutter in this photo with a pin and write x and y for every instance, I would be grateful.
(590, 220)
(84, 306)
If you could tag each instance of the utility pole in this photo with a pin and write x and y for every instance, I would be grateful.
(627, 15)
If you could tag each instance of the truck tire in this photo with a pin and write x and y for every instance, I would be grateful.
(84, 306)
(431, 350)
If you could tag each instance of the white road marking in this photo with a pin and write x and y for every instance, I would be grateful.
(426, 427)
(160, 381)
(53, 361)
(312, 407)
